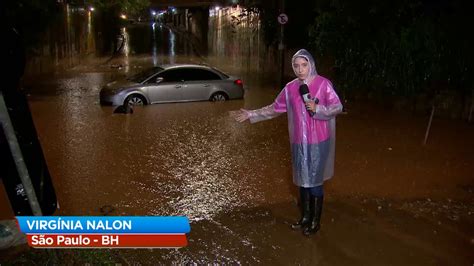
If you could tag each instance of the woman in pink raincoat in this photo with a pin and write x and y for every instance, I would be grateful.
(312, 129)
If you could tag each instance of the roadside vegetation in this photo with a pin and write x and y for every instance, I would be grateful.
(416, 53)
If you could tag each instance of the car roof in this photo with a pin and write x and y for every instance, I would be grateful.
(206, 67)
(170, 66)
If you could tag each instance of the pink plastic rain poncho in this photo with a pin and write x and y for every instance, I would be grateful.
(312, 138)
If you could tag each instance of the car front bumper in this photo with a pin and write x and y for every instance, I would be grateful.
(107, 99)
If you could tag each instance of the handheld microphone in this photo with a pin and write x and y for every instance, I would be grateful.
(306, 96)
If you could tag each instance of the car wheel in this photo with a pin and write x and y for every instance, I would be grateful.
(135, 100)
(218, 97)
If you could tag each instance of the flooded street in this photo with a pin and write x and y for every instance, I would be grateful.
(391, 202)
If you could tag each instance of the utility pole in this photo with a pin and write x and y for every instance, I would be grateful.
(15, 149)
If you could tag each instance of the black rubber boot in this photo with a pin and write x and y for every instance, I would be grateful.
(316, 209)
(305, 198)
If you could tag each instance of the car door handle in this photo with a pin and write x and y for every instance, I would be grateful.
(177, 86)
(207, 85)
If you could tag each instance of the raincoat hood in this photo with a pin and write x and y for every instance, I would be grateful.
(303, 53)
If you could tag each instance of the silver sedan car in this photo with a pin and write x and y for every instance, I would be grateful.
(173, 83)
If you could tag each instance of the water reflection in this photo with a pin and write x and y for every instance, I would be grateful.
(125, 46)
(90, 46)
(235, 34)
(172, 52)
(234, 41)
(154, 48)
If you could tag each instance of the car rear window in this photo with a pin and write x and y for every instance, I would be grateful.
(221, 73)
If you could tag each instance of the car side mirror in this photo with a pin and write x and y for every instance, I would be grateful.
(159, 79)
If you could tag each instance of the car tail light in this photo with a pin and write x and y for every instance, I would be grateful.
(239, 82)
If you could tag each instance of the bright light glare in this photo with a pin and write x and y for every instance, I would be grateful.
(123, 16)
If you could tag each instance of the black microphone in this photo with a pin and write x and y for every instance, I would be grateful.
(306, 96)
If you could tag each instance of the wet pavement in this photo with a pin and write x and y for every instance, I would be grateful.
(233, 180)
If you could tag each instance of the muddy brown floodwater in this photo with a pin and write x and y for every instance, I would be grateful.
(392, 200)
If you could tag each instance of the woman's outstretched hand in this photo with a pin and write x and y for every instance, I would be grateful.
(240, 115)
